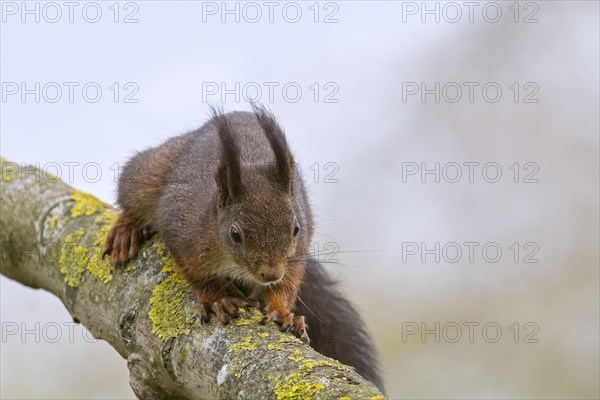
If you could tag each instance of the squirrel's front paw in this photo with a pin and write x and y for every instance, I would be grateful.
(124, 240)
(289, 323)
(225, 309)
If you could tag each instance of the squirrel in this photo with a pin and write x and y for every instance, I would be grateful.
(231, 206)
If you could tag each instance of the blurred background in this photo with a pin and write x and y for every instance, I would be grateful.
(451, 152)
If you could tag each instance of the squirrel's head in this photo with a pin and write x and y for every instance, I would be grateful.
(259, 228)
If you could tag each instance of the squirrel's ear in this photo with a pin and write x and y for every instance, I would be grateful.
(284, 162)
(223, 193)
(229, 187)
(228, 176)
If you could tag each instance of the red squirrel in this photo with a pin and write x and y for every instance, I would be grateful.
(229, 203)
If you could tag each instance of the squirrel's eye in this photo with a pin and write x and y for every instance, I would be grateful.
(296, 229)
(235, 235)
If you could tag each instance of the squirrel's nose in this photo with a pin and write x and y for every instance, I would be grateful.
(270, 277)
(272, 271)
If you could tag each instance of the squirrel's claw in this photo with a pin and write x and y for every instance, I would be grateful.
(289, 323)
(301, 329)
(204, 314)
(225, 309)
(124, 240)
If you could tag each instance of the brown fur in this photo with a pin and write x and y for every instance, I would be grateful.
(226, 201)
(234, 172)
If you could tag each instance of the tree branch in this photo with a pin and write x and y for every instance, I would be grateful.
(51, 237)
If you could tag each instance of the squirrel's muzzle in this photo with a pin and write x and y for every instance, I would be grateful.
(271, 272)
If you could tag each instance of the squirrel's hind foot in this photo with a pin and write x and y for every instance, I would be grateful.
(124, 240)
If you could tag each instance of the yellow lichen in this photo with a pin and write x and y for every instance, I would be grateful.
(76, 257)
(85, 204)
(73, 258)
(99, 267)
(107, 219)
(345, 398)
(297, 356)
(169, 265)
(279, 344)
(247, 343)
(290, 339)
(160, 248)
(297, 388)
(52, 221)
(167, 314)
(255, 318)
(378, 397)
(275, 346)
(309, 365)
(264, 334)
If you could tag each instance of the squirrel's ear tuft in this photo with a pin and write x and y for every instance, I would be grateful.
(284, 162)
(228, 176)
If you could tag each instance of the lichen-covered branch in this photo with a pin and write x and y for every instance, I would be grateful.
(51, 237)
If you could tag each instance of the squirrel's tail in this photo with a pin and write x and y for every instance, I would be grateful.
(335, 327)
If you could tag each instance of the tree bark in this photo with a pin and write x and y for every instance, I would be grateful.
(51, 237)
